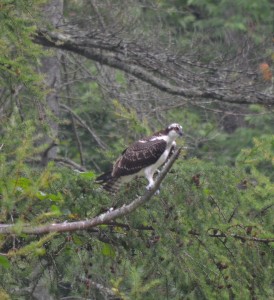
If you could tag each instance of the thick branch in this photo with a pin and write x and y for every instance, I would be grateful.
(161, 71)
(104, 218)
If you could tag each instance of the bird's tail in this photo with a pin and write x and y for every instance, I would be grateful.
(108, 182)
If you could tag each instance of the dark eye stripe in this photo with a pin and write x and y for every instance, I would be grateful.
(176, 128)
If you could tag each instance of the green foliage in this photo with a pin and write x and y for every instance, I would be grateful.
(196, 240)
(4, 262)
(130, 116)
(262, 151)
(219, 15)
(211, 143)
(204, 237)
(18, 182)
(209, 26)
(4, 295)
(19, 56)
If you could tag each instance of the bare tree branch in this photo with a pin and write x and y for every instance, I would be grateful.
(104, 218)
(18, 104)
(244, 238)
(167, 72)
(105, 291)
(62, 160)
(70, 163)
(67, 88)
(236, 236)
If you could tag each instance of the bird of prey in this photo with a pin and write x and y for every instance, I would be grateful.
(142, 158)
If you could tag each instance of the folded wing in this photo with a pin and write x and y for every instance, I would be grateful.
(138, 156)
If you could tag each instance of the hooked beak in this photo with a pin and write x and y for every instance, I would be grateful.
(181, 132)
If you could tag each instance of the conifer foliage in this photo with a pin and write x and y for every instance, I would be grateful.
(208, 234)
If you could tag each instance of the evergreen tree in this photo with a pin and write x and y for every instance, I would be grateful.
(209, 233)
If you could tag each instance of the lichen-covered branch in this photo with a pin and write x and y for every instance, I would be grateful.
(170, 73)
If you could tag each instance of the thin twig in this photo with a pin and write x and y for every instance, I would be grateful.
(83, 123)
(70, 163)
(78, 141)
(237, 236)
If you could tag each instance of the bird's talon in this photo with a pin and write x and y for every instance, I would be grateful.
(157, 192)
(149, 187)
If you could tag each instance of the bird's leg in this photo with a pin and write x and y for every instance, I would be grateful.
(150, 185)
(149, 176)
(151, 182)
(157, 192)
(157, 172)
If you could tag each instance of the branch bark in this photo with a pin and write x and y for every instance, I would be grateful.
(50, 68)
(166, 72)
(104, 218)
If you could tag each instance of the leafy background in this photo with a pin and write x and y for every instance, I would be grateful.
(206, 236)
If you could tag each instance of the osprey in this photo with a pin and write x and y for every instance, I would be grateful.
(142, 158)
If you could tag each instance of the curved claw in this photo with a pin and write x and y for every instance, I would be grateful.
(157, 192)
(149, 187)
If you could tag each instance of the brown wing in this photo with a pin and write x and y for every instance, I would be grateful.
(138, 156)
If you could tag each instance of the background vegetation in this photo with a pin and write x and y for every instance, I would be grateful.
(66, 114)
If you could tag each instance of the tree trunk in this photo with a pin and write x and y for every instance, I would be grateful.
(51, 68)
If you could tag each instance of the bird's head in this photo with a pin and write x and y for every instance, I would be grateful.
(174, 130)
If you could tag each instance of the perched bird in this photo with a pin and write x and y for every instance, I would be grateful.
(143, 158)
